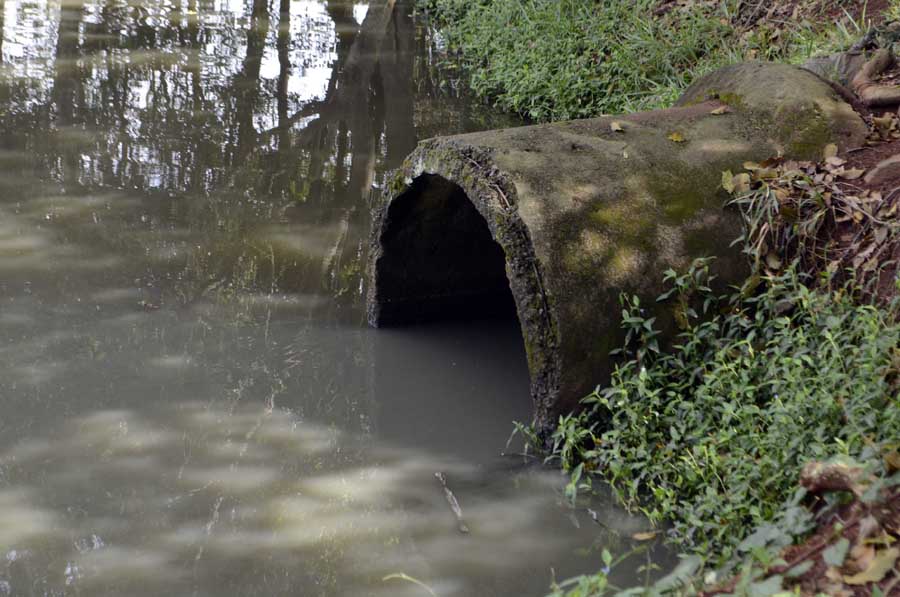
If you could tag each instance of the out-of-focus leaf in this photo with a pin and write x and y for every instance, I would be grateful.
(800, 569)
(881, 565)
(851, 174)
(741, 182)
(835, 554)
(727, 181)
(767, 587)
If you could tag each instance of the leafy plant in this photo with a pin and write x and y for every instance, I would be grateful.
(710, 437)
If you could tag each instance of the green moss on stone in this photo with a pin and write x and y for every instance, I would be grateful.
(734, 100)
(808, 131)
(683, 193)
(397, 183)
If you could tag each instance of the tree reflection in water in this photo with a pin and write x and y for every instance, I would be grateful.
(242, 125)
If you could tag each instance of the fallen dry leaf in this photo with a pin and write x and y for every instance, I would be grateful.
(676, 138)
(741, 182)
(884, 540)
(868, 526)
(892, 458)
(720, 110)
(877, 570)
(851, 174)
(883, 122)
(646, 536)
(832, 573)
(862, 556)
(616, 127)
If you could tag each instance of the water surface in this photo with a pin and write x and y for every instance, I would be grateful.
(190, 402)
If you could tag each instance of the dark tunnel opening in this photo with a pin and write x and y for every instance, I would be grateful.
(439, 260)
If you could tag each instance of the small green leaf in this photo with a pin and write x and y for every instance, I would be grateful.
(681, 576)
(837, 553)
(800, 569)
(727, 181)
(766, 588)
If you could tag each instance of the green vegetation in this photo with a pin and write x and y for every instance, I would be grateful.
(563, 59)
(711, 434)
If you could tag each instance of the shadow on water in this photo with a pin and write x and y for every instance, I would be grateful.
(189, 400)
(248, 502)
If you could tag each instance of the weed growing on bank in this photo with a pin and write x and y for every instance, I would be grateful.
(563, 59)
(710, 435)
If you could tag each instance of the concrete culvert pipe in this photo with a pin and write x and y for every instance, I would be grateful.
(559, 219)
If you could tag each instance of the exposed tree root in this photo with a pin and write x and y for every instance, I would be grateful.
(871, 93)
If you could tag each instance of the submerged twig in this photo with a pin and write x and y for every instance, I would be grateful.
(408, 578)
(454, 505)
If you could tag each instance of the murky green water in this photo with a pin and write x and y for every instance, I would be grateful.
(190, 402)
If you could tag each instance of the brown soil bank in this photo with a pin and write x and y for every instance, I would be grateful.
(568, 216)
(854, 551)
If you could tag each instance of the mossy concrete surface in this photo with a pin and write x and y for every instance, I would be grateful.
(584, 211)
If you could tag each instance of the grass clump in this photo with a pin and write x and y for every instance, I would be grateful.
(563, 59)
